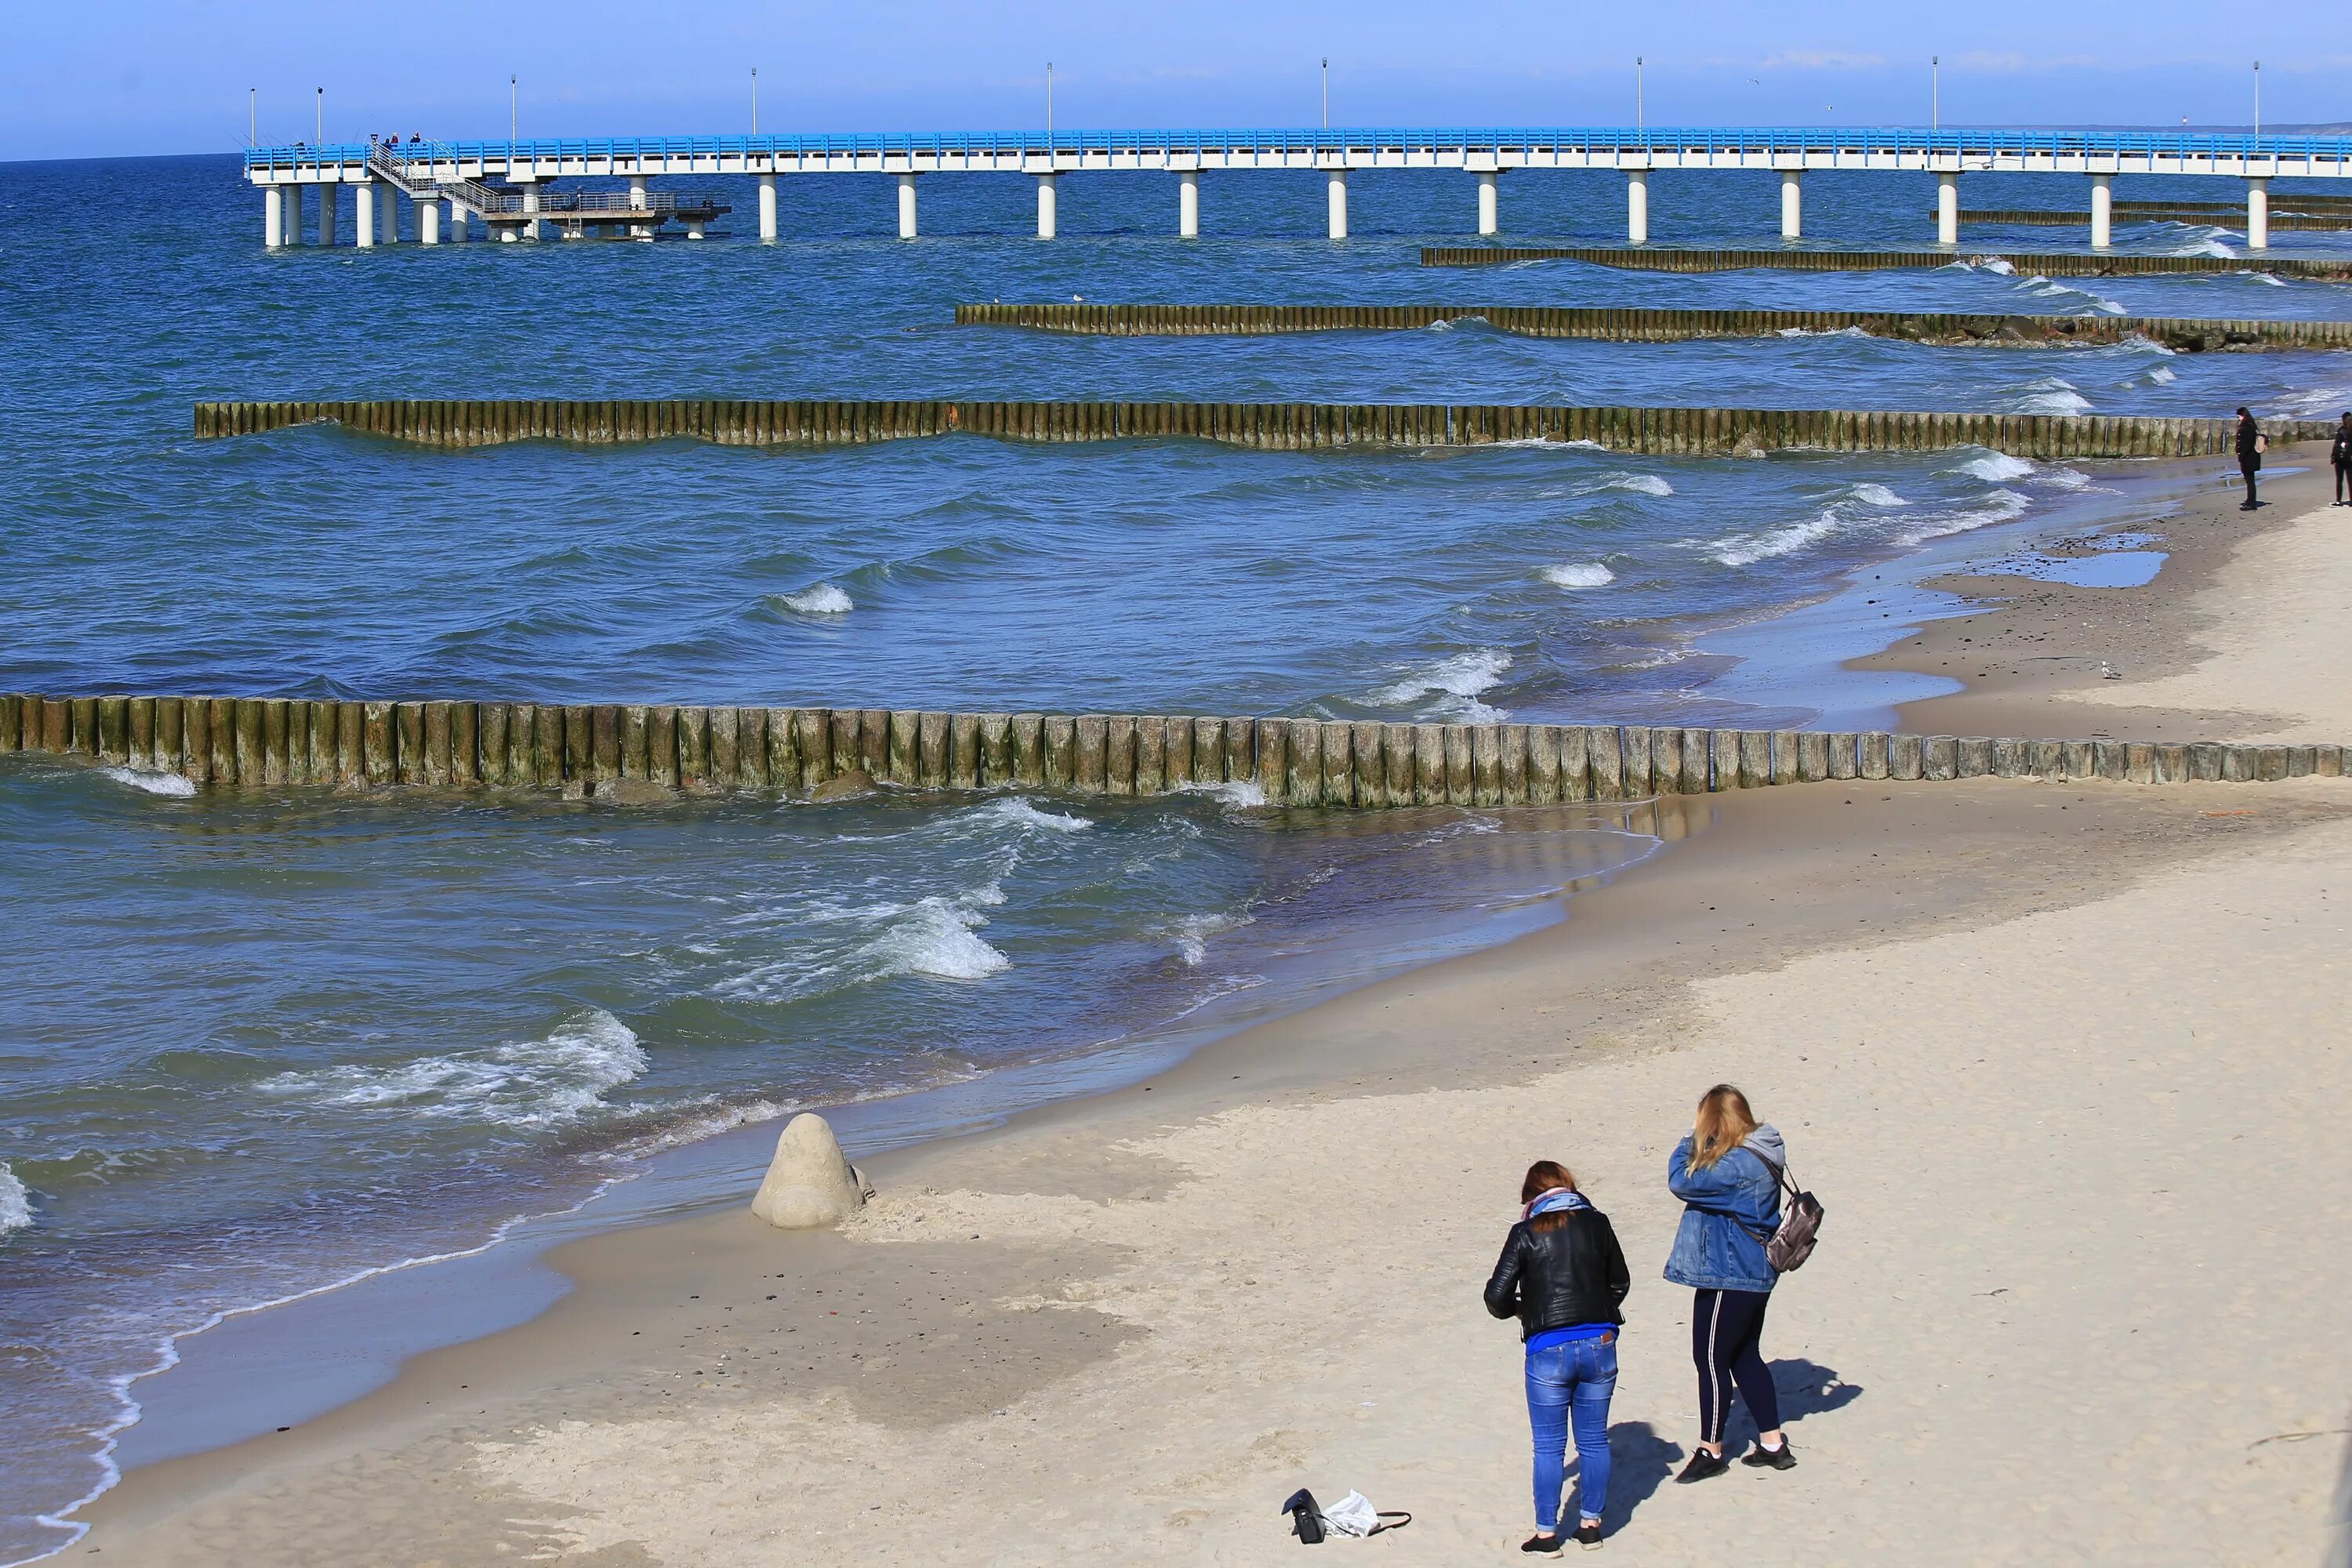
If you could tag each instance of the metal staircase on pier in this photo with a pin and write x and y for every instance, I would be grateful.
(411, 168)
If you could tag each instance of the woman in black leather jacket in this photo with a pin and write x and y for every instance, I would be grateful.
(1563, 1275)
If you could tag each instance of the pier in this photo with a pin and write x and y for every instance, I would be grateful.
(504, 183)
(637, 753)
(1266, 426)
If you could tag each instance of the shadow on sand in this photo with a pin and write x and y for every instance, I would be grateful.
(1641, 1462)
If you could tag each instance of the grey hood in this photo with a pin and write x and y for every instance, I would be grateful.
(1766, 1140)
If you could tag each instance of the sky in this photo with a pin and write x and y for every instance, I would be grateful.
(111, 77)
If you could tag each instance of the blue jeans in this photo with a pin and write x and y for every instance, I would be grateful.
(1571, 1382)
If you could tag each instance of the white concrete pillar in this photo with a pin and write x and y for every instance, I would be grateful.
(387, 215)
(1046, 216)
(1947, 208)
(767, 209)
(327, 214)
(530, 204)
(1793, 204)
(2257, 213)
(2102, 211)
(428, 222)
(694, 229)
(637, 193)
(1489, 204)
(364, 214)
(458, 234)
(1188, 203)
(1637, 206)
(293, 233)
(1336, 190)
(273, 216)
(905, 206)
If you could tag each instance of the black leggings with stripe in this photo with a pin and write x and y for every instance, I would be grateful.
(1727, 1335)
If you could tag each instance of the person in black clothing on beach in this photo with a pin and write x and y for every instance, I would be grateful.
(2340, 454)
(2250, 456)
(1563, 1275)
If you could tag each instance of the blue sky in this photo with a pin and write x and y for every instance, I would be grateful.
(113, 77)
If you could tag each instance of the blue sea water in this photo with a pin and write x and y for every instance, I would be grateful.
(258, 1044)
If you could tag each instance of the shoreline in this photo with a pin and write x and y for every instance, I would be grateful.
(1798, 864)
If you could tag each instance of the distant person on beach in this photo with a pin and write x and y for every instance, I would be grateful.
(1728, 1173)
(2340, 454)
(1564, 1274)
(2250, 445)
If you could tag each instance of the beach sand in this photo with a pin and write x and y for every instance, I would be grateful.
(2060, 1059)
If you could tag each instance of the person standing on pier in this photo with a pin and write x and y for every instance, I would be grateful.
(2252, 443)
(2340, 455)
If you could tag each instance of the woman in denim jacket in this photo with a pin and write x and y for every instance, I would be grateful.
(1728, 1173)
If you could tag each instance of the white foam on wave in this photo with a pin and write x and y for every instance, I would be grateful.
(2147, 345)
(1235, 793)
(169, 784)
(1191, 934)
(818, 599)
(2050, 289)
(1640, 484)
(2062, 479)
(2273, 279)
(2315, 402)
(933, 936)
(1578, 574)
(1457, 683)
(1870, 494)
(2050, 395)
(1991, 264)
(1746, 549)
(1013, 811)
(527, 1083)
(1997, 506)
(1997, 468)
(2162, 374)
(15, 1203)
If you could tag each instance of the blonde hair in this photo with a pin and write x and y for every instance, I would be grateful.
(1724, 1123)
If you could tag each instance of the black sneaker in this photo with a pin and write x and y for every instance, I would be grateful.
(1703, 1466)
(1588, 1536)
(1551, 1542)
(1764, 1458)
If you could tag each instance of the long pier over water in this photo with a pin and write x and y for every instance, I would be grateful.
(504, 185)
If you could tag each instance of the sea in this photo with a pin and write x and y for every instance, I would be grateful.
(259, 1045)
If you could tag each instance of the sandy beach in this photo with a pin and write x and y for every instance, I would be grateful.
(2060, 1061)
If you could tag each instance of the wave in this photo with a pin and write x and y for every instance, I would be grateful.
(1746, 549)
(935, 938)
(1238, 794)
(2273, 279)
(1573, 575)
(169, 784)
(1191, 934)
(2062, 479)
(1998, 505)
(819, 599)
(1854, 332)
(15, 1203)
(1997, 468)
(2314, 403)
(2049, 394)
(2049, 288)
(1989, 264)
(531, 1083)
(2208, 243)
(1876, 495)
(1015, 812)
(1455, 682)
(1640, 484)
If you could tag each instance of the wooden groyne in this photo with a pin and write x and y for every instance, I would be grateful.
(634, 753)
(2234, 217)
(2189, 334)
(1270, 427)
(2062, 264)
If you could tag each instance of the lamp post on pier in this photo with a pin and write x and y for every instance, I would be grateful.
(1326, 92)
(1935, 93)
(755, 100)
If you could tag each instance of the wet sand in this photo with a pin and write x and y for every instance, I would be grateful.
(2063, 1060)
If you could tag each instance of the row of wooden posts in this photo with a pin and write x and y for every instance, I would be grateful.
(1637, 326)
(637, 752)
(2058, 219)
(1277, 426)
(2049, 264)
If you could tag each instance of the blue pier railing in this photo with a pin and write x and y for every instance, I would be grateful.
(1664, 140)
